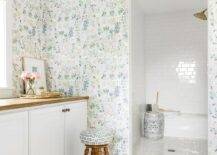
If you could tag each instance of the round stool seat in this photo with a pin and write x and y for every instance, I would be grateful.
(96, 137)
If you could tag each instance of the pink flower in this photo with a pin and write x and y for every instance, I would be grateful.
(25, 75)
(29, 76)
(35, 75)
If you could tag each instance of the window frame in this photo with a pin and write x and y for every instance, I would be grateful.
(6, 92)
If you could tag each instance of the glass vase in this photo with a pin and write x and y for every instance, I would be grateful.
(30, 88)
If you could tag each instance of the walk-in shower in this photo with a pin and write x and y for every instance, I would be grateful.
(170, 57)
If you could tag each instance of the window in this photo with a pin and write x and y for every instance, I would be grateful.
(3, 81)
(5, 49)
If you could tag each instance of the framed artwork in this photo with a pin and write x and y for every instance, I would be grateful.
(34, 65)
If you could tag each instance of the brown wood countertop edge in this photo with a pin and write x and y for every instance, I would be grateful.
(18, 104)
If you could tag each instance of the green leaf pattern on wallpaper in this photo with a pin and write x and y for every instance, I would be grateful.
(212, 72)
(86, 46)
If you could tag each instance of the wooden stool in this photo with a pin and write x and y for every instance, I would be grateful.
(96, 141)
(96, 150)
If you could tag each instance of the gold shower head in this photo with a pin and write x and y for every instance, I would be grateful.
(201, 15)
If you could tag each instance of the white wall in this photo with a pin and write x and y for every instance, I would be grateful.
(175, 47)
(137, 71)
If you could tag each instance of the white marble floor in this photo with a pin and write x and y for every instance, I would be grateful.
(171, 146)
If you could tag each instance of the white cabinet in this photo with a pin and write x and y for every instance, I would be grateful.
(75, 122)
(56, 130)
(46, 131)
(14, 133)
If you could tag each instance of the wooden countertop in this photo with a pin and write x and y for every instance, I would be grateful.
(16, 103)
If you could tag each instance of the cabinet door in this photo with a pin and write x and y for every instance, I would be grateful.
(14, 134)
(75, 122)
(46, 131)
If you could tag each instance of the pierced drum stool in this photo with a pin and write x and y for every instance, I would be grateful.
(96, 141)
(154, 125)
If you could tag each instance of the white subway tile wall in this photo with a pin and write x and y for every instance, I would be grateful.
(176, 61)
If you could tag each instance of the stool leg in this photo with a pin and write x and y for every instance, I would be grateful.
(93, 151)
(96, 150)
(106, 150)
(100, 151)
(86, 152)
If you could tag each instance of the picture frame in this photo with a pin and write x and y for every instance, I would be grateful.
(38, 66)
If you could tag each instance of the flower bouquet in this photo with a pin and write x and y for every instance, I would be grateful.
(29, 79)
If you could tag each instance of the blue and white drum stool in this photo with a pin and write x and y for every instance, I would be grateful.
(96, 140)
(154, 125)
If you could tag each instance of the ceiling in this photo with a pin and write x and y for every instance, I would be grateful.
(163, 6)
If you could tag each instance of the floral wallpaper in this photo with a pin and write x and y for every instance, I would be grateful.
(86, 46)
(26, 36)
(212, 76)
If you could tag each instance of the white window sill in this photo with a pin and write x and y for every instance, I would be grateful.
(6, 93)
